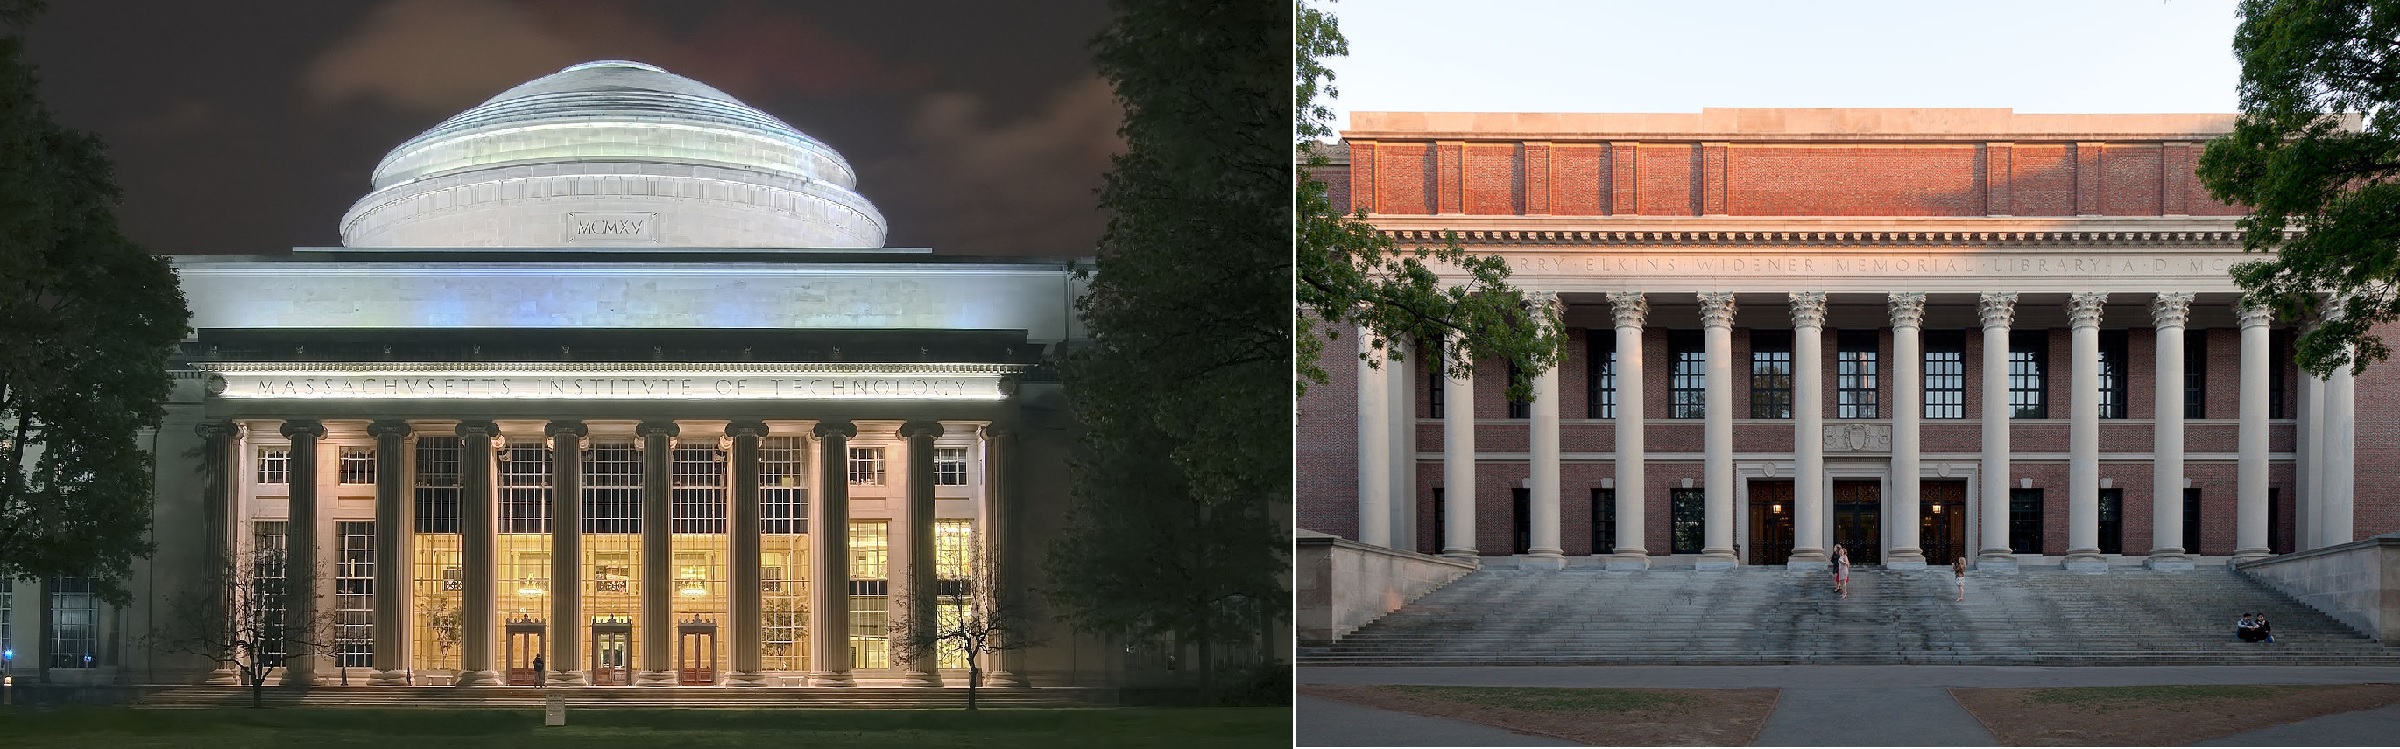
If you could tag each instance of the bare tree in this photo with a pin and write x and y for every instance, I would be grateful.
(241, 621)
(972, 619)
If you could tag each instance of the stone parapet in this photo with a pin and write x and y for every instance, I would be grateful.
(1343, 584)
(2356, 583)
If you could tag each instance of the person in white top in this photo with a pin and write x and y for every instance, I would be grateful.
(1958, 569)
(1841, 570)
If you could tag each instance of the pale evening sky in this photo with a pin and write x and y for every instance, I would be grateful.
(2048, 56)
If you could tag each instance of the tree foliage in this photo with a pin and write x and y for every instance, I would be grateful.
(1181, 522)
(1350, 274)
(2314, 155)
(87, 320)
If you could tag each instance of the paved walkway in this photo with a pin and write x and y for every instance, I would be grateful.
(1827, 705)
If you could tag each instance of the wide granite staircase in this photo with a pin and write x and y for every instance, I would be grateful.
(1764, 615)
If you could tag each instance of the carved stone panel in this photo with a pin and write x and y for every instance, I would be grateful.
(1858, 438)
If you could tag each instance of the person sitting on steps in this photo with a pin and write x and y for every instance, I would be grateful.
(2246, 628)
(2265, 630)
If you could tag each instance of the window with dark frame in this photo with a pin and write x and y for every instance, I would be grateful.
(1600, 376)
(2191, 521)
(2195, 374)
(2028, 370)
(949, 466)
(2112, 521)
(525, 485)
(1945, 374)
(697, 487)
(612, 488)
(2113, 379)
(354, 595)
(358, 464)
(1687, 517)
(274, 465)
(437, 484)
(1517, 409)
(782, 485)
(267, 560)
(2279, 540)
(2025, 521)
(1440, 523)
(1520, 520)
(2279, 348)
(1857, 374)
(75, 623)
(1770, 374)
(1687, 381)
(1604, 520)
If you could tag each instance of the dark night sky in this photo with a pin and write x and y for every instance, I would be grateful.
(249, 127)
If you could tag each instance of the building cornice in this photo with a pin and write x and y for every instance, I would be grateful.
(1835, 238)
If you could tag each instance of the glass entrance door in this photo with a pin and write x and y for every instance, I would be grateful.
(1942, 521)
(1857, 520)
(610, 645)
(1770, 522)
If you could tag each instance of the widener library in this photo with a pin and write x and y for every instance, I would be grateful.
(1922, 334)
(616, 370)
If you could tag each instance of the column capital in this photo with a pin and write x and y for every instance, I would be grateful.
(477, 428)
(996, 430)
(1631, 309)
(1998, 309)
(294, 428)
(1808, 309)
(842, 429)
(1908, 309)
(2254, 314)
(915, 429)
(2084, 308)
(747, 428)
(215, 429)
(658, 429)
(2171, 309)
(1716, 309)
(562, 427)
(389, 428)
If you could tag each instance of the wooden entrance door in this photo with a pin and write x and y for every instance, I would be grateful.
(1770, 522)
(1857, 520)
(1942, 520)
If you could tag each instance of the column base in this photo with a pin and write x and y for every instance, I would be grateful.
(1715, 560)
(566, 679)
(831, 679)
(1466, 554)
(2174, 561)
(746, 679)
(1805, 567)
(1629, 560)
(654, 678)
(2249, 555)
(1542, 560)
(391, 678)
(1005, 679)
(921, 679)
(478, 679)
(1904, 559)
(1997, 561)
(223, 677)
(2086, 560)
(1808, 555)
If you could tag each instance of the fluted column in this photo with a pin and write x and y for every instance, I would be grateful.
(2251, 511)
(1908, 357)
(1716, 316)
(829, 528)
(917, 569)
(1808, 431)
(1458, 456)
(1997, 310)
(999, 447)
(566, 554)
(391, 535)
(1374, 445)
(657, 625)
(2341, 459)
(2083, 433)
(1546, 550)
(742, 544)
(2169, 312)
(1631, 312)
(478, 529)
(300, 553)
(222, 441)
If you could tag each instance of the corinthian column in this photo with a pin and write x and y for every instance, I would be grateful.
(742, 544)
(478, 529)
(829, 543)
(1631, 312)
(1997, 309)
(1458, 456)
(2168, 314)
(391, 533)
(1908, 356)
(2083, 435)
(1716, 315)
(1808, 431)
(566, 553)
(1545, 551)
(2250, 514)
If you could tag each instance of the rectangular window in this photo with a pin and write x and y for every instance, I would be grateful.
(354, 595)
(1517, 409)
(2025, 521)
(866, 466)
(950, 466)
(1770, 374)
(1687, 381)
(267, 557)
(525, 486)
(2279, 348)
(783, 604)
(1433, 378)
(74, 623)
(437, 484)
(1945, 374)
(782, 485)
(1520, 520)
(953, 569)
(2191, 521)
(1686, 520)
(1441, 532)
(2028, 370)
(2112, 521)
(699, 488)
(358, 465)
(2279, 538)
(1604, 520)
(1600, 375)
(2195, 374)
(612, 487)
(2113, 389)
(869, 594)
(274, 465)
(1856, 374)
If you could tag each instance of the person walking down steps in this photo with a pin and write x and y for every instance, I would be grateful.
(1841, 570)
(1958, 569)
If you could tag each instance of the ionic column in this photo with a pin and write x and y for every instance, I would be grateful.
(478, 529)
(829, 529)
(2250, 515)
(1908, 357)
(300, 554)
(392, 593)
(1458, 457)
(1546, 550)
(1808, 430)
(2083, 435)
(742, 543)
(2168, 313)
(1374, 445)
(2341, 458)
(223, 446)
(566, 554)
(1716, 315)
(917, 568)
(999, 447)
(657, 627)
(1632, 311)
(1997, 310)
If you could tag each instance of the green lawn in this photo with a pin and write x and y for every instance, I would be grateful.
(119, 728)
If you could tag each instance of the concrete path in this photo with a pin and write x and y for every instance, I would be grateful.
(1323, 722)
(1803, 677)
(2375, 727)
(1903, 716)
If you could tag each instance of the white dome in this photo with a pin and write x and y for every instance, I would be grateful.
(613, 153)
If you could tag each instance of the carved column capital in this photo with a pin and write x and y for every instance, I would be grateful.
(567, 426)
(1808, 309)
(2084, 308)
(294, 428)
(1908, 309)
(842, 429)
(2171, 309)
(477, 429)
(915, 429)
(389, 428)
(216, 429)
(2254, 314)
(1716, 309)
(996, 430)
(1998, 309)
(1632, 310)
(750, 428)
(658, 428)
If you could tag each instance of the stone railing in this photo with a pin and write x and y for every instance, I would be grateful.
(2356, 583)
(1344, 584)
